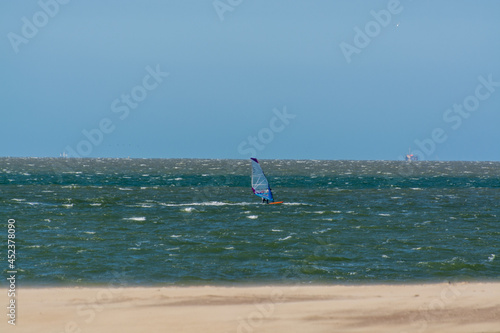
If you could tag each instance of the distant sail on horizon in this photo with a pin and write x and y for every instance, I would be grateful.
(260, 185)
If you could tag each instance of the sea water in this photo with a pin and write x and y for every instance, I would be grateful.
(195, 221)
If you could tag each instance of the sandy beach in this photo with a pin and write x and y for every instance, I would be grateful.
(457, 307)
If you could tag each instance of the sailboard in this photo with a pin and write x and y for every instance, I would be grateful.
(260, 185)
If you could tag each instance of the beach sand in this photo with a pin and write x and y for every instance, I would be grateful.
(457, 307)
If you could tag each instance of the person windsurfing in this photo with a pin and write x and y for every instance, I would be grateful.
(260, 185)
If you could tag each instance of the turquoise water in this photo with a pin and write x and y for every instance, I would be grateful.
(184, 221)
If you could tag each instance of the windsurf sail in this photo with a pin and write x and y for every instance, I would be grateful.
(260, 185)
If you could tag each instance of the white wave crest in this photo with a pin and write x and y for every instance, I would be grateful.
(135, 218)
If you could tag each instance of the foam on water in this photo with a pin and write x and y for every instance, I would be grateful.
(135, 218)
(210, 203)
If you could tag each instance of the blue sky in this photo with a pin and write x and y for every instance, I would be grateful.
(264, 78)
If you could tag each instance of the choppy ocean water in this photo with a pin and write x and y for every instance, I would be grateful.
(193, 221)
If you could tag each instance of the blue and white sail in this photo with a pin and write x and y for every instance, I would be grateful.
(260, 185)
